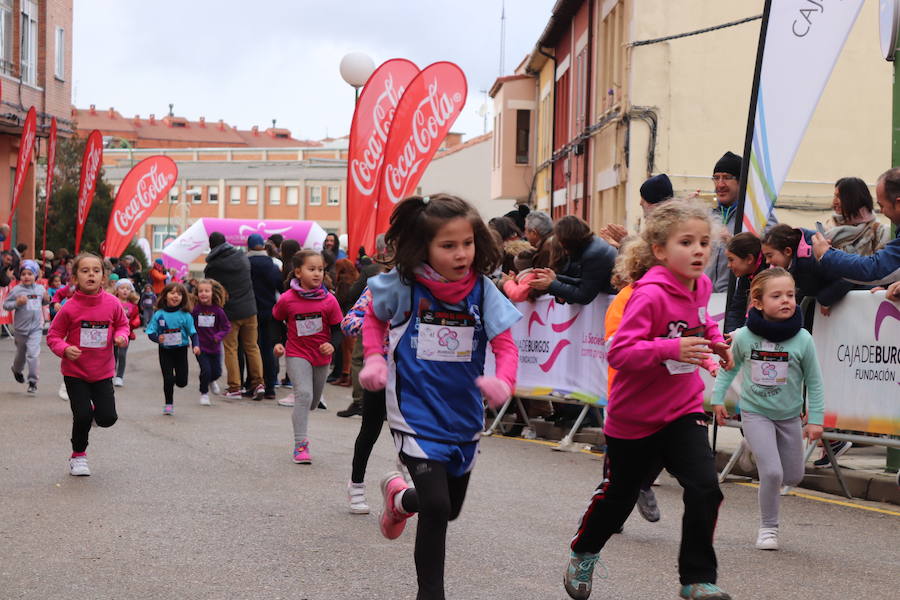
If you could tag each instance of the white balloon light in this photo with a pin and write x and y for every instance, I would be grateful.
(356, 68)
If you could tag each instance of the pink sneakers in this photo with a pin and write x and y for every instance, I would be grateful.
(301, 453)
(392, 520)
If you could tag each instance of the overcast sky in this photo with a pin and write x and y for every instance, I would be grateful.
(251, 62)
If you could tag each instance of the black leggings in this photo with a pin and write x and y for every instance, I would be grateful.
(683, 448)
(438, 498)
(91, 401)
(174, 365)
(373, 413)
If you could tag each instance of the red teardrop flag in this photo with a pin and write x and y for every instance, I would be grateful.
(368, 136)
(142, 189)
(23, 163)
(90, 168)
(426, 112)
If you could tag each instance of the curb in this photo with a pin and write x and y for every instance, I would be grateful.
(863, 485)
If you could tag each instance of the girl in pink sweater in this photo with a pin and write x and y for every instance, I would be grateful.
(655, 414)
(83, 334)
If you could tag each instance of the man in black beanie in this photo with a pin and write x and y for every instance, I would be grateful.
(727, 181)
(655, 190)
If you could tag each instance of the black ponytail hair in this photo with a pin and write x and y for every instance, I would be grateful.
(783, 236)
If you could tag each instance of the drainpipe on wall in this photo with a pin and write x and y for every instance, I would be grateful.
(552, 122)
(587, 190)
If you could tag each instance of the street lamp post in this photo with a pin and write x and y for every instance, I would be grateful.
(355, 69)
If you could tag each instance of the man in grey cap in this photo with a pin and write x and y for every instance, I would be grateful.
(727, 180)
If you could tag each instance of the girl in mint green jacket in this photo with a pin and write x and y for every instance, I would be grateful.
(777, 358)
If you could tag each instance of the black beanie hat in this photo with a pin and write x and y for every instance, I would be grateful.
(216, 239)
(657, 188)
(729, 163)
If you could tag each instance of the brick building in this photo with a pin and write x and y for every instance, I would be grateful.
(35, 70)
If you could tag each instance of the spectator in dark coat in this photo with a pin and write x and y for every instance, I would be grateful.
(230, 267)
(266, 278)
(585, 264)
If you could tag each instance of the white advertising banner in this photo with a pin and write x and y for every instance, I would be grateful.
(802, 43)
(561, 349)
(859, 350)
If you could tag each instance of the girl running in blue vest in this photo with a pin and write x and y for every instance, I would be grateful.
(442, 313)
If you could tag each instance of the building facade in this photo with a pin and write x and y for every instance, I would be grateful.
(464, 170)
(35, 70)
(631, 96)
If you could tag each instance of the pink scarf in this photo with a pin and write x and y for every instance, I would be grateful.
(316, 294)
(452, 292)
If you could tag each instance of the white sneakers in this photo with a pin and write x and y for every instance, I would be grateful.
(118, 381)
(204, 400)
(356, 492)
(286, 401)
(78, 466)
(767, 538)
(214, 388)
(63, 394)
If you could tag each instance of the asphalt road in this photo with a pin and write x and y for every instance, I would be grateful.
(208, 504)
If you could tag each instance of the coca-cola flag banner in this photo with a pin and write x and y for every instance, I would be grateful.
(368, 138)
(48, 186)
(423, 118)
(90, 168)
(26, 151)
(142, 189)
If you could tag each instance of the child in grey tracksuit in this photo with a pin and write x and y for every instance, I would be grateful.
(27, 299)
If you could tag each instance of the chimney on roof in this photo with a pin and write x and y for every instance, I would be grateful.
(74, 112)
(137, 120)
(255, 130)
(153, 119)
(202, 121)
(221, 125)
(273, 123)
(112, 112)
(171, 106)
(93, 109)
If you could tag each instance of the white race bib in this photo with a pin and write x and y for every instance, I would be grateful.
(34, 302)
(768, 367)
(676, 367)
(445, 336)
(94, 334)
(206, 320)
(170, 337)
(308, 324)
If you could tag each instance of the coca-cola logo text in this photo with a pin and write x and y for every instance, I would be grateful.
(148, 190)
(28, 136)
(430, 122)
(91, 168)
(364, 172)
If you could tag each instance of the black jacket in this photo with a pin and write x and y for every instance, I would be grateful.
(814, 280)
(586, 274)
(266, 278)
(230, 267)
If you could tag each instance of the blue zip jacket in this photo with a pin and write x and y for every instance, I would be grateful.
(173, 321)
(880, 268)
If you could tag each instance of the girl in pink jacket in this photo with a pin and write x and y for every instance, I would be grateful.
(83, 334)
(655, 413)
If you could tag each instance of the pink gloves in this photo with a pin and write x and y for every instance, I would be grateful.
(495, 390)
(373, 376)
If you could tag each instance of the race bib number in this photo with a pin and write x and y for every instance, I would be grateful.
(676, 367)
(445, 336)
(206, 320)
(170, 337)
(34, 302)
(94, 334)
(308, 324)
(768, 367)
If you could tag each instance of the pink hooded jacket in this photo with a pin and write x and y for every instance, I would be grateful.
(653, 389)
